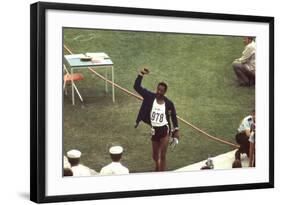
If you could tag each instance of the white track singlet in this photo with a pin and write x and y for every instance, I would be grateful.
(158, 114)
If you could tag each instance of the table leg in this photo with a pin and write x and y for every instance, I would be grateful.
(113, 92)
(106, 76)
(72, 88)
(78, 93)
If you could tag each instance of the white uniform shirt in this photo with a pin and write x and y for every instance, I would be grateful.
(246, 123)
(248, 56)
(114, 168)
(80, 170)
(158, 114)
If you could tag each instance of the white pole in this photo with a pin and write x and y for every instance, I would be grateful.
(106, 89)
(64, 80)
(76, 89)
(113, 93)
(72, 87)
(64, 84)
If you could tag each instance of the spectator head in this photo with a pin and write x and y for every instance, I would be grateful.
(236, 164)
(161, 90)
(247, 40)
(74, 157)
(116, 153)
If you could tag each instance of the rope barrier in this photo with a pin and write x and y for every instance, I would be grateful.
(140, 98)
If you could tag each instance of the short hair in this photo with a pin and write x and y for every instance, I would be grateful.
(74, 161)
(116, 157)
(164, 85)
(237, 164)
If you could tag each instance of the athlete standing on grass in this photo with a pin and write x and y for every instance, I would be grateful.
(156, 110)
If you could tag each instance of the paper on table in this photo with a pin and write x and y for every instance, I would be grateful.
(97, 60)
(97, 55)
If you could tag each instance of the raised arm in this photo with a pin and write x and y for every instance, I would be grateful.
(137, 86)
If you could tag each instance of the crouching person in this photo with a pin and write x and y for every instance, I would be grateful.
(245, 130)
(244, 67)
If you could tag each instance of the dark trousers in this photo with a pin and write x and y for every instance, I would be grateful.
(244, 143)
(244, 76)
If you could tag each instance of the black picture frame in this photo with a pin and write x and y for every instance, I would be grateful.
(38, 100)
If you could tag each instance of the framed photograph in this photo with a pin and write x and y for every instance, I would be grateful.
(129, 102)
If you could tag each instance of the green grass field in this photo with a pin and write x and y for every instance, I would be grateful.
(201, 83)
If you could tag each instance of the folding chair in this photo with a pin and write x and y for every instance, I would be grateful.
(71, 78)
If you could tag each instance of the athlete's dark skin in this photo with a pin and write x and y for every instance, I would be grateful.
(159, 148)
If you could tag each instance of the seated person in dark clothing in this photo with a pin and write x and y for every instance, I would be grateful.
(244, 131)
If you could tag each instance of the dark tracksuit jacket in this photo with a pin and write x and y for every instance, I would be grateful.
(148, 99)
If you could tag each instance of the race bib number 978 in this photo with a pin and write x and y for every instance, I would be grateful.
(157, 117)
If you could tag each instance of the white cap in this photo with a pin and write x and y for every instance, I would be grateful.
(66, 163)
(74, 154)
(116, 150)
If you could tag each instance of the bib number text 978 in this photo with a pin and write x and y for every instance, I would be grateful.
(157, 117)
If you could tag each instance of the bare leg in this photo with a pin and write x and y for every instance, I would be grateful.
(163, 150)
(156, 154)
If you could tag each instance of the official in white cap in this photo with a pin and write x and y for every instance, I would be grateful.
(115, 167)
(77, 168)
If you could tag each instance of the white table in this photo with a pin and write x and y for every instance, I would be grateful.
(102, 61)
